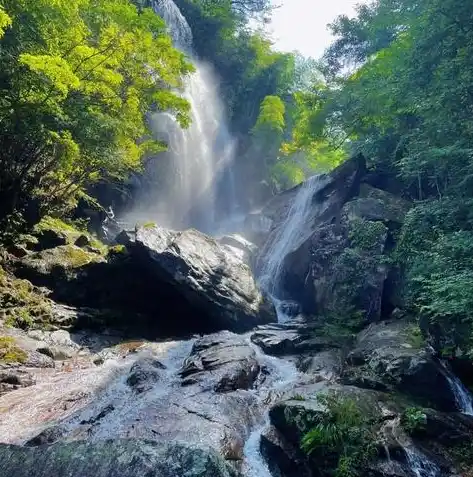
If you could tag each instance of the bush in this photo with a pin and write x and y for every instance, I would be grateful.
(413, 419)
(344, 437)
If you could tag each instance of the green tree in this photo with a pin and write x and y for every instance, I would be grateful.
(77, 81)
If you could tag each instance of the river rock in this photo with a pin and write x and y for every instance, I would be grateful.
(123, 458)
(11, 379)
(283, 458)
(289, 340)
(215, 282)
(386, 353)
(224, 361)
(144, 374)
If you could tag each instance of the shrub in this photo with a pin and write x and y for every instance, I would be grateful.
(343, 439)
(413, 419)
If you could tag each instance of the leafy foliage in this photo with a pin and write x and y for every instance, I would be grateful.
(343, 438)
(398, 88)
(77, 81)
(413, 419)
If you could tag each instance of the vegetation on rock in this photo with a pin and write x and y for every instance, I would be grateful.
(10, 353)
(343, 441)
(21, 304)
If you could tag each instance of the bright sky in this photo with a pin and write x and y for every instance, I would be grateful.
(302, 24)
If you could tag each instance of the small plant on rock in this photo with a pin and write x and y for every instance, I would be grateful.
(413, 419)
(343, 439)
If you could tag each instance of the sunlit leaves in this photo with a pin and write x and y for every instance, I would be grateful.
(78, 80)
(5, 21)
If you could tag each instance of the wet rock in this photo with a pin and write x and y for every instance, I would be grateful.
(212, 280)
(38, 360)
(327, 364)
(446, 429)
(11, 379)
(57, 353)
(246, 249)
(385, 353)
(283, 458)
(124, 458)
(82, 241)
(144, 374)
(224, 361)
(48, 436)
(286, 340)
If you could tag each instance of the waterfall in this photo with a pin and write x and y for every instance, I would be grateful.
(420, 465)
(462, 396)
(288, 237)
(191, 184)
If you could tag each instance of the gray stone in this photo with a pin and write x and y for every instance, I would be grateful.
(224, 361)
(11, 379)
(289, 339)
(385, 354)
(210, 278)
(145, 374)
(118, 458)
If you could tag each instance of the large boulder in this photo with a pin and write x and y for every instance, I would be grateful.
(213, 280)
(116, 458)
(224, 361)
(340, 266)
(390, 356)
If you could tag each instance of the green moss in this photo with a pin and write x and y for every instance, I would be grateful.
(72, 257)
(117, 250)
(71, 231)
(149, 225)
(414, 336)
(22, 305)
(10, 352)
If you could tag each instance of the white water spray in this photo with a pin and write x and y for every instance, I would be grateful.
(463, 398)
(290, 234)
(420, 464)
(190, 185)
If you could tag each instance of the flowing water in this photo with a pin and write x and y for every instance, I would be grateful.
(463, 398)
(420, 465)
(191, 184)
(288, 237)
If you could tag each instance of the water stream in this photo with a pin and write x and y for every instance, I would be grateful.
(463, 398)
(191, 184)
(420, 465)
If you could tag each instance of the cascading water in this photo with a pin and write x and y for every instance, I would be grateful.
(420, 465)
(288, 237)
(190, 185)
(463, 398)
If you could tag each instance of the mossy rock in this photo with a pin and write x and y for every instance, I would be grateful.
(10, 353)
(52, 232)
(23, 305)
(52, 267)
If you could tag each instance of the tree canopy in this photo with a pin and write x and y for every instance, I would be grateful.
(77, 81)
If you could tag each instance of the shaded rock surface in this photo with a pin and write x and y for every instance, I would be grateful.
(385, 355)
(117, 458)
(210, 278)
